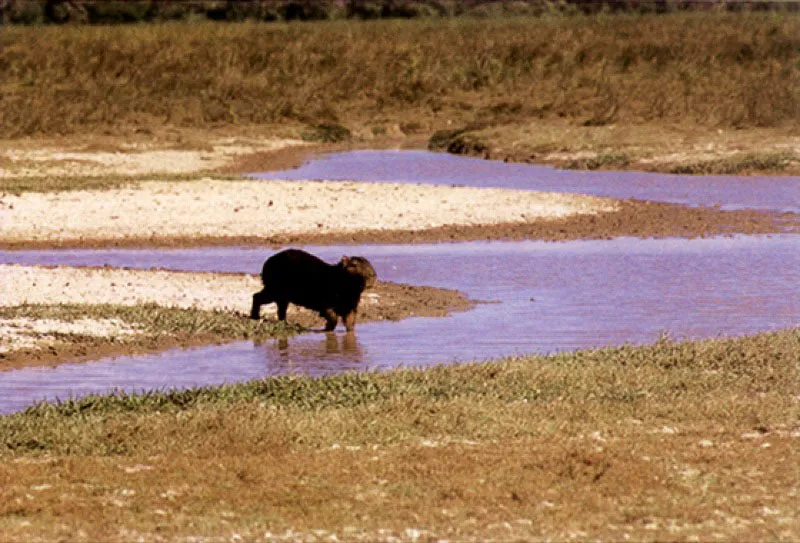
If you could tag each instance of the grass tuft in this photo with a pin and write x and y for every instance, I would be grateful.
(326, 133)
(761, 162)
(603, 160)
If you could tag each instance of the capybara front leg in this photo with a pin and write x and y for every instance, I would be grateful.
(259, 299)
(331, 318)
(282, 307)
(350, 321)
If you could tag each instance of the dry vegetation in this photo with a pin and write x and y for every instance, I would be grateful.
(675, 441)
(666, 442)
(731, 70)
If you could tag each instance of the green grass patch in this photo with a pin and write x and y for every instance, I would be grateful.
(149, 328)
(154, 319)
(458, 142)
(651, 440)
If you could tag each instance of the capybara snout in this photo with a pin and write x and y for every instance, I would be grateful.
(298, 277)
(360, 266)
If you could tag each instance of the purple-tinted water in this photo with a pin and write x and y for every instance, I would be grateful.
(551, 297)
(729, 192)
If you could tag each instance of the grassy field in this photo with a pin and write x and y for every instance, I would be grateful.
(671, 441)
(674, 441)
(712, 69)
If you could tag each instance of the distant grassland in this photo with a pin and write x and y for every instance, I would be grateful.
(714, 69)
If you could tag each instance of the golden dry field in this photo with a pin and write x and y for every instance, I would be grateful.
(677, 441)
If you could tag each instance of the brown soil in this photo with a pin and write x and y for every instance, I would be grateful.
(634, 218)
(386, 301)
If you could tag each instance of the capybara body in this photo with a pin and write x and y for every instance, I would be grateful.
(298, 277)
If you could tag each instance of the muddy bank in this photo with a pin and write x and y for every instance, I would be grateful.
(644, 147)
(23, 345)
(631, 219)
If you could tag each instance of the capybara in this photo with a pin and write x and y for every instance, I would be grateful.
(303, 279)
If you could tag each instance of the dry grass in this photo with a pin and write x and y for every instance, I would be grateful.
(709, 68)
(671, 441)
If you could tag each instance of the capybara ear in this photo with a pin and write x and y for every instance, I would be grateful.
(345, 260)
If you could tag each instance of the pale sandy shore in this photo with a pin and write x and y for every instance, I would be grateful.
(247, 208)
(66, 285)
(63, 285)
(230, 293)
(128, 159)
(207, 209)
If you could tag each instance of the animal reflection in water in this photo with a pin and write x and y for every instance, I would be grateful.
(310, 352)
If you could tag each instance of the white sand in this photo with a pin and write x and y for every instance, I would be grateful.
(247, 208)
(24, 333)
(264, 208)
(22, 162)
(65, 285)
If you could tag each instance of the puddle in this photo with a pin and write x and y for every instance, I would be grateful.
(728, 192)
(552, 297)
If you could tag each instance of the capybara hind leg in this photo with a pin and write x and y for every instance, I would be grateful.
(350, 321)
(259, 298)
(282, 307)
(331, 318)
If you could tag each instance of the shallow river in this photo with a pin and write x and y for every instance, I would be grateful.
(728, 192)
(545, 297)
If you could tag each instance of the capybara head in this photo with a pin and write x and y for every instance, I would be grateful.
(360, 266)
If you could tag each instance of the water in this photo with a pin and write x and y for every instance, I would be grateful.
(548, 297)
(728, 192)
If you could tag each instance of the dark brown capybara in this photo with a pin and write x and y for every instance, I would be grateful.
(303, 279)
